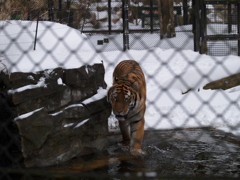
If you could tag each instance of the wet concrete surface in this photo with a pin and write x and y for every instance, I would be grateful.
(183, 152)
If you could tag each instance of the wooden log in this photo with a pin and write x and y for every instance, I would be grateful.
(224, 83)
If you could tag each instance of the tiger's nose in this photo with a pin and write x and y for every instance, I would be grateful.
(119, 112)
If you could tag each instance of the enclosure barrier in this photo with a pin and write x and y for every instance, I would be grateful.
(56, 120)
(219, 27)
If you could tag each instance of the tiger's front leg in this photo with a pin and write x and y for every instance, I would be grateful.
(125, 131)
(137, 132)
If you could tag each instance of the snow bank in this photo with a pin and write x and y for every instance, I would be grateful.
(168, 73)
(57, 45)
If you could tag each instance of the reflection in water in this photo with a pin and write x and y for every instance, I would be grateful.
(173, 152)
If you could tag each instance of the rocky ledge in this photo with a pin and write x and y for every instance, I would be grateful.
(60, 113)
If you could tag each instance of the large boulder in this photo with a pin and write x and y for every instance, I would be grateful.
(61, 112)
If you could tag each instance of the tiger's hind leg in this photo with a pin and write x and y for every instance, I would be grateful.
(137, 133)
(125, 130)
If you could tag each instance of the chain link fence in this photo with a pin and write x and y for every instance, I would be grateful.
(222, 20)
(56, 64)
(221, 28)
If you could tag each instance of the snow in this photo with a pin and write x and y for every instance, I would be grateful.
(68, 125)
(116, 40)
(169, 73)
(41, 83)
(101, 93)
(74, 105)
(59, 81)
(81, 123)
(26, 115)
(86, 69)
(57, 113)
(57, 45)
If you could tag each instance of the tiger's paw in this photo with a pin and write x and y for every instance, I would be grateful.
(137, 152)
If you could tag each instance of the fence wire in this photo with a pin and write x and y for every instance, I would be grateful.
(222, 20)
(56, 65)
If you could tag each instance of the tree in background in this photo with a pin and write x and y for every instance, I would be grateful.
(22, 9)
(166, 18)
(165, 15)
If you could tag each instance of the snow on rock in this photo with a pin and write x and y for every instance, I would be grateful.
(68, 125)
(59, 81)
(101, 93)
(23, 116)
(41, 83)
(81, 123)
(73, 105)
(50, 109)
(56, 113)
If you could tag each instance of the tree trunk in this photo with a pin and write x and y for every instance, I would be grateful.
(171, 27)
(160, 19)
(166, 18)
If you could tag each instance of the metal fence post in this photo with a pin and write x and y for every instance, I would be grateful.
(125, 26)
(160, 19)
(203, 28)
(185, 12)
(238, 24)
(68, 12)
(60, 10)
(35, 39)
(196, 27)
(50, 10)
(229, 18)
(151, 16)
(109, 17)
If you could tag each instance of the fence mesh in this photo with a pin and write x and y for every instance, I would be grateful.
(56, 63)
(222, 21)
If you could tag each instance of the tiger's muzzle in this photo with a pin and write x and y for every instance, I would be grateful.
(121, 116)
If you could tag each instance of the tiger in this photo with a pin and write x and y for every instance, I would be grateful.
(127, 96)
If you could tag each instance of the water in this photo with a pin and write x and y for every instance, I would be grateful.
(183, 152)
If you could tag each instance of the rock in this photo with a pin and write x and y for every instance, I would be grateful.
(51, 139)
(204, 156)
(51, 102)
(18, 79)
(85, 76)
(53, 122)
(32, 93)
(34, 128)
(9, 137)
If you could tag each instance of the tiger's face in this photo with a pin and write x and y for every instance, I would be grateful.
(123, 100)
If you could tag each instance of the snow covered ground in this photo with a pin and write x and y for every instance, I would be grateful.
(169, 73)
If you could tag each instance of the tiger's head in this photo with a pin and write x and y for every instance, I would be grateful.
(123, 99)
